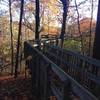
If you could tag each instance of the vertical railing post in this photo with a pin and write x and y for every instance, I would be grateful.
(33, 76)
(38, 75)
(66, 90)
(46, 82)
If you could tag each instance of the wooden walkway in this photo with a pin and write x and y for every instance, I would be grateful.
(54, 73)
(60, 76)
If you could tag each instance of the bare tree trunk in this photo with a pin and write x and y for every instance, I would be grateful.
(96, 48)
(19, 34)
(37, 20)
(21, 50)
(90, 38)
(78, 22)
(11, 37)
(63, 29)
(48, 22)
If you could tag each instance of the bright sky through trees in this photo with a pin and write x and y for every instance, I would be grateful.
(84, 9)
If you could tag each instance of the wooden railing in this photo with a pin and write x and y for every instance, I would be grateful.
(49, 78)
(83, 69)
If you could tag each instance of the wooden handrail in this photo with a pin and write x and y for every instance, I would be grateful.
(43, 66)
(73, 53)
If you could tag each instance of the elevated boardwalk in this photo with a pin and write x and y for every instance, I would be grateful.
(63, 74)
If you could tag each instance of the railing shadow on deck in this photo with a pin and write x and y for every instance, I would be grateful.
(49, 79)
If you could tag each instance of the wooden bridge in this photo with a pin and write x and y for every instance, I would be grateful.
(62, 73)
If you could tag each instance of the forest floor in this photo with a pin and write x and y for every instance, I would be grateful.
(16, 88)
(19, 88)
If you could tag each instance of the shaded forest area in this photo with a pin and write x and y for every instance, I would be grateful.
(22, 20)
(74, 23)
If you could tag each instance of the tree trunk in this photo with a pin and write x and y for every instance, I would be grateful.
(90, 36)
(11, 37)
(37, 19)
(19, 34)
(63, 29)
(79, 30)
(96, 48)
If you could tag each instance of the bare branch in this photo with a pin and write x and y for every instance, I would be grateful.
(79, 25)
(91, 28)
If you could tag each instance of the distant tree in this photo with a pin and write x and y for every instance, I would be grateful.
(10, 13)
(19, 34)
(78, 23)
(65, 10)
(90, 38)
